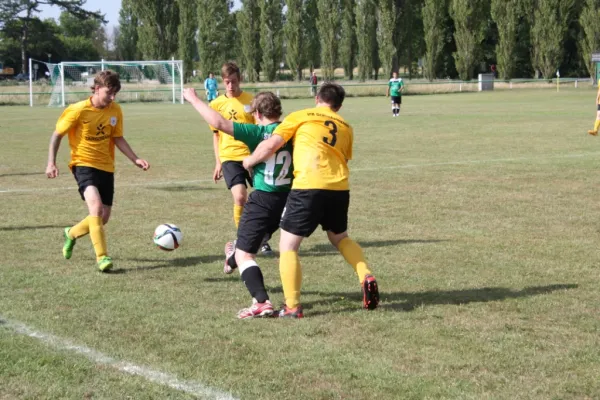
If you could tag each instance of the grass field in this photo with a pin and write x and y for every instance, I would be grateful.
(478, 213)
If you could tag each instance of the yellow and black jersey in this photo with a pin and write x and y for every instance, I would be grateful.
(322, 148)
(91, 132)
(236, 109)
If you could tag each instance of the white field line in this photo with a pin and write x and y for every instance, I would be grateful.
(161, 378)
(379, 168)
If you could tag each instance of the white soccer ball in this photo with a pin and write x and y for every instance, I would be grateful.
(167, 237)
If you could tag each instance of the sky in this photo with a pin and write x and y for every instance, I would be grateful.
(109, 7)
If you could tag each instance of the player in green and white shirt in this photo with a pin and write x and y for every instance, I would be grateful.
(395, 89)
(272, 181)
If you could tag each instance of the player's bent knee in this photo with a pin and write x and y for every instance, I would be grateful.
(336, 238)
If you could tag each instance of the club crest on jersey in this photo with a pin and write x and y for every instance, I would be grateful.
(113, 121)
(247, 109)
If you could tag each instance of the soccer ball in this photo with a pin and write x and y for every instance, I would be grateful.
(167, 237)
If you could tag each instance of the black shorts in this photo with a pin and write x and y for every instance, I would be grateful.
(102, 180)
(307, 209)
(235, 174)
(396, 99)
(598, 107)
(261, 217)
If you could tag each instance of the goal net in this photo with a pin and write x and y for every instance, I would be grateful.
(141, 81)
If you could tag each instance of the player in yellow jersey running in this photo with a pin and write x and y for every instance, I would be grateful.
(234, 105)
(597, 123)
(320, 192)
(94, 127)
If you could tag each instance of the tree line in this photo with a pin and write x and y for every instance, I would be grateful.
(367, 38)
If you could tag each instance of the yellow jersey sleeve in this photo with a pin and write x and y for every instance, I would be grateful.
(68, 119)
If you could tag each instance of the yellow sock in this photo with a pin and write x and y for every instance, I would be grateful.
(97, 236)
(291, 277)
(81, 229)
(237, 214)
(597, 125)
(354, 256)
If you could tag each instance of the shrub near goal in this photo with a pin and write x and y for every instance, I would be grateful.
(141, 81)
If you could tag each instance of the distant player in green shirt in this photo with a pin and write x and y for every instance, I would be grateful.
(272, 181)
(395, 89)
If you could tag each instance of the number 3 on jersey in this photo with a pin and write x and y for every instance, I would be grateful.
(333, 132)
(283, 158)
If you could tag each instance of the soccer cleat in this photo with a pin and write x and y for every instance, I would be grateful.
(105, 263)
(593, 132)
(370, 293)
(229, 250)
(256, 310)
(69, 244)
(287, 312)
(266, 250)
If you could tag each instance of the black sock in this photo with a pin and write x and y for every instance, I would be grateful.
(253, 279)
(231, 261)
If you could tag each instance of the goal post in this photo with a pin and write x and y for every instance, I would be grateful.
(141, 81)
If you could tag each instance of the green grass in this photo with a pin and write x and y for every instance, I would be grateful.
(478, 213)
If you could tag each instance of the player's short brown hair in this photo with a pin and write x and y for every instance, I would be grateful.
(268, 104)
(230, 68)
(332, 94)
(109, 79)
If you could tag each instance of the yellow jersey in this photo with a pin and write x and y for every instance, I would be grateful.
(91, 133)
(235, 109)
(322, 148)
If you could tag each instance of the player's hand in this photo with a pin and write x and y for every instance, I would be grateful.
(51, 171)
(143, 164)
(218, 173)
(190, 94)
(248, 163)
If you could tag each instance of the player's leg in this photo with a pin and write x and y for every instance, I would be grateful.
(236, 177)
(398, 105)
(393, 107)
(335, 222)
(596, 123)
(300, 218)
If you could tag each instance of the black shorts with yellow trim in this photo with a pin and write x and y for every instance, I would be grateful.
(102, 180)
(306, 209)
(261, 216)
(235, 174)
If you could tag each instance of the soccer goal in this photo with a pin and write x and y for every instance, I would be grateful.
(57, 85)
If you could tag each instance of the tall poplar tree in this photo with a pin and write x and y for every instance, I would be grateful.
(470, 21)
(249, 35)
(590, 40)
(157, 32)
(506, 14)
(386, 13)
(271, 24)
(328, 24)
(294, 37)
(126, 41)
(365, 34)
(550, 24)
(213, 23)
(188, 24)
(311, 34)
(347, 50)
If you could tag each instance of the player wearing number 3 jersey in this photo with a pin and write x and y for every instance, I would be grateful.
(320, 192)
(272, 181)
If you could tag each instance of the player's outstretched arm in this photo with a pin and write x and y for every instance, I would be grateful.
(212, 117)
(51, 169)
(124, 147)
(263, 151)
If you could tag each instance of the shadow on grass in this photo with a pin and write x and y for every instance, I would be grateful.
(180, 262)
(181, 188)
(405, 301)
(328, 248)
(21, 174)
(27, 228)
